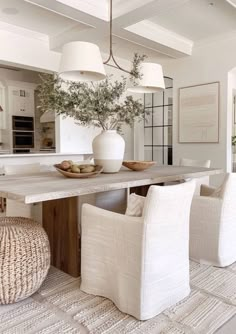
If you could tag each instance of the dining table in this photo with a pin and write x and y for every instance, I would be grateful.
(62, 200)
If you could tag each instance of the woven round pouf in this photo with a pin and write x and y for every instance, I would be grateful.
(24, 258)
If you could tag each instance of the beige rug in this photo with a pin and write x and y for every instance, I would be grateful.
(60, 307)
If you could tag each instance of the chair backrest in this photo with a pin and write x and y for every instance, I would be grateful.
(164, 204)
(166, 220)
(196, 163)
(22, 169)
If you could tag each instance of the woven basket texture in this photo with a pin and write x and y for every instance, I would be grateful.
(24, 258)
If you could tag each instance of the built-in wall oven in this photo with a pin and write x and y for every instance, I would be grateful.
(23, 133)
(22, 123)
(23, 139)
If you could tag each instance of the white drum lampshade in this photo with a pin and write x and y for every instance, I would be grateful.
(152, 79)
(232, 2)
(81, 61)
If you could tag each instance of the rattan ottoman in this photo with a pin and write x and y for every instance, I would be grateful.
(24, 258)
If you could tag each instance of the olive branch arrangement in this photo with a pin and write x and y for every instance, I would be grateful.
(101, 104)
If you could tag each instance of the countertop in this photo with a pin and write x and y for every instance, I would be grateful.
(41, 154)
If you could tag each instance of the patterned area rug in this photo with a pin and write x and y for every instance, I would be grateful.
(60, 307)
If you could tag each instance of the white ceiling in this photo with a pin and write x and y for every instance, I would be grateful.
(158, 28)
(199, 19)
(34, 18)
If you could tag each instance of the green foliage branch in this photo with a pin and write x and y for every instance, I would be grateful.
(101, 104)
(233, 140)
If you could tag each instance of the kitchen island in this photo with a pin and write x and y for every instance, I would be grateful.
(44, 158)
(59, 197)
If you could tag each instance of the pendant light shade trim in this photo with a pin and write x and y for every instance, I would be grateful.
(151, 81)
(81, 61)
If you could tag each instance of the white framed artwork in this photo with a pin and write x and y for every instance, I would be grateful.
(199, 113)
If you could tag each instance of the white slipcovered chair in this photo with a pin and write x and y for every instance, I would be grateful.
(194, 163)
(213, 224)
(140, 263)
(197, 163)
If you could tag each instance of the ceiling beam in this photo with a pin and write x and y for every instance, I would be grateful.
(146, 11)
(127, 27)
(157, 37)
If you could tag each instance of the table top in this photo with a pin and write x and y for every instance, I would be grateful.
(52, 185)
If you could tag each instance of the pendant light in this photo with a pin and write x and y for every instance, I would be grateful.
(151, 79)
(82, 61)
(232, 3)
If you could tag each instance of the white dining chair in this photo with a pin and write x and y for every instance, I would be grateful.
(140, 263)
(15, 208)
(213, 224)
(194, 163)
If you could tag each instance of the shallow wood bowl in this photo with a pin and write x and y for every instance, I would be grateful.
(98, 170)
(138, 165)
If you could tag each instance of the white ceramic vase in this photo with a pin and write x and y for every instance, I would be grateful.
(108, 151)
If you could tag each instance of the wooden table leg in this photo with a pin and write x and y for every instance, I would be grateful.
(60, 220)
(2, 204)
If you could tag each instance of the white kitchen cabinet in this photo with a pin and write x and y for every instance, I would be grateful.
(21, 101)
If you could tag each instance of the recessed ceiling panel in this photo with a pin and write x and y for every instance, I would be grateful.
(121, 7)
(97, 8)
(199, 19)
(34, 18)
(101, 8)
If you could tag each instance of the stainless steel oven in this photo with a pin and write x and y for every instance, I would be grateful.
(23, 139)
(22, 123)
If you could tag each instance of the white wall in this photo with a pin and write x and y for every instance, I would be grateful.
(74, 138)
(209, 63)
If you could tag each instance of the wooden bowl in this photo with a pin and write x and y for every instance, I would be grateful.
(138, 165)
(98, 170)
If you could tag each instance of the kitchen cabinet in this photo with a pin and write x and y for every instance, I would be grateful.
(21, 101)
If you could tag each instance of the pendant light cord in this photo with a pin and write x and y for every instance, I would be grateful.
(111, 56)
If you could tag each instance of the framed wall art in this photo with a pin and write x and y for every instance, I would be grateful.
(199, 113)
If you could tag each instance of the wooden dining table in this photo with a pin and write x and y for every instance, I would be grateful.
(61, 199)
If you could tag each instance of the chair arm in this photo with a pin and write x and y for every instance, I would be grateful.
(206, 190)
(205, 210)
(110, 237)
(101, 216)
(205, 225)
